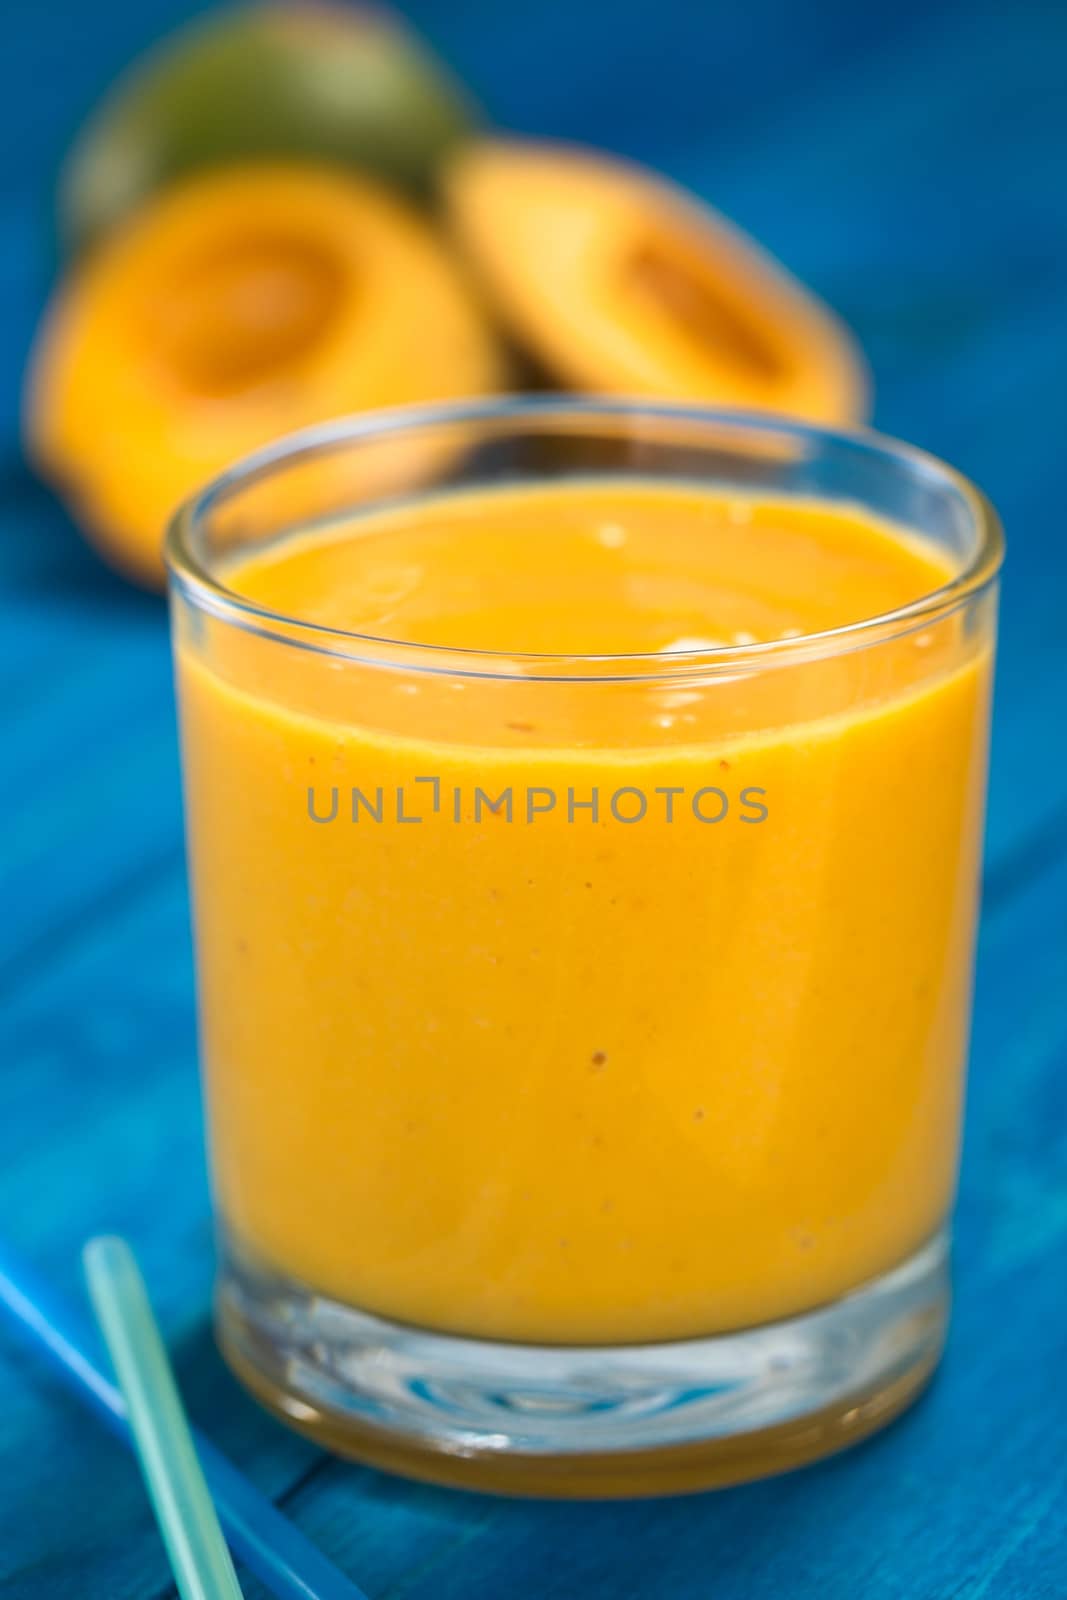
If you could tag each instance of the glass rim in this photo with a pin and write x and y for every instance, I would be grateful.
(194, 580)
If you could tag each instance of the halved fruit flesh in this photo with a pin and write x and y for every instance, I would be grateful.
(614, 280)
(234, 309)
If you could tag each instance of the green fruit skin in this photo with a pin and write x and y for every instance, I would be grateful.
(321, 82)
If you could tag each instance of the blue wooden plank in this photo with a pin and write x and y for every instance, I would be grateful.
(99, 1131)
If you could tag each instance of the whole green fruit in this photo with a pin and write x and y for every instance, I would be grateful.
(318, 81)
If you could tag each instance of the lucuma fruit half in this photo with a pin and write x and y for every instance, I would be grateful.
(320, 81)
(612, 280)
(233, 308)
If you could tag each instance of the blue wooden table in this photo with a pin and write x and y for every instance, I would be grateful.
(910, 160)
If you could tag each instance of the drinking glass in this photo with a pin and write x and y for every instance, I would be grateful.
(583, 1034)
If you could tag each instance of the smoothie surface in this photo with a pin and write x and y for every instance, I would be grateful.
(589, 568)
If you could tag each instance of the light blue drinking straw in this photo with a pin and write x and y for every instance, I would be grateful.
(202, 1565)
(269, 1544)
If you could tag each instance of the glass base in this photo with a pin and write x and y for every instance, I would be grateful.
(584, 1420)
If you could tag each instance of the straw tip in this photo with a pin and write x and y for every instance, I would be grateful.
(104, 1251)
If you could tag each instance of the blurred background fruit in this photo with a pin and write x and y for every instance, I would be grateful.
(324, 80)
(616, 281)
(234, 308)
(287, 213)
